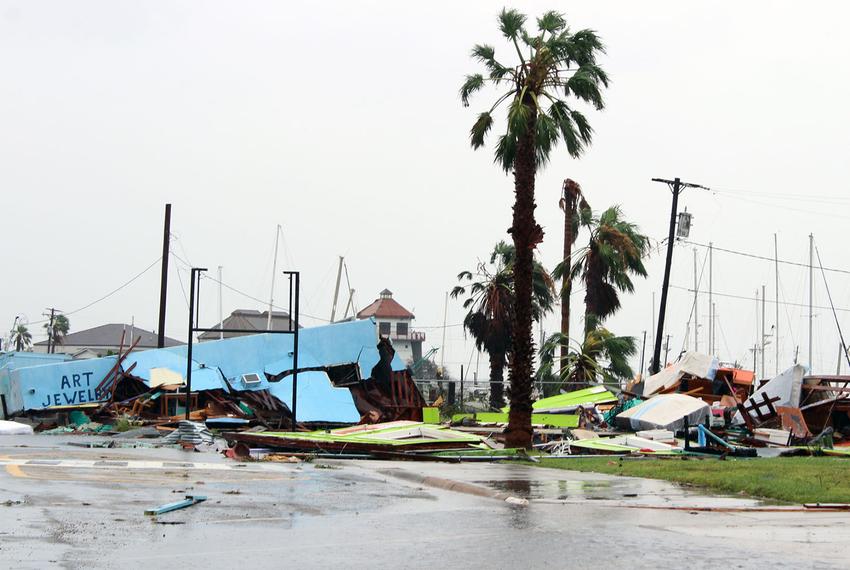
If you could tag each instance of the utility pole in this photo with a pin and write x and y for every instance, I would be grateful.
(51, 345)
(274, 274)
(336, 289)
(776, 301)
(642, 353)
(163, 280)
(696, 305)
(811, 297)
(666, 349)
(676, 187)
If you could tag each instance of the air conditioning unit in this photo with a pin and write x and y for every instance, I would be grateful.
(251, 378)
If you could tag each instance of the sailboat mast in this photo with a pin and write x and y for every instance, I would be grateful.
(336, 289)
(274, 274)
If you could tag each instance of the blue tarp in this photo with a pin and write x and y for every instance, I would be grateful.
(219, 364)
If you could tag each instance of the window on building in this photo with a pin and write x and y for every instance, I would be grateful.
(401, 329)
(384, 329)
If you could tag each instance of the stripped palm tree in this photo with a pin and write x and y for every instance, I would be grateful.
(576, 213)
(552, 65)
(490, 304)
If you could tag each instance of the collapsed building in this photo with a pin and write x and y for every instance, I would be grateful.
(342, 378)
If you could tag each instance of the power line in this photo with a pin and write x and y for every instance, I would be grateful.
(114, 291)
(244, 294)
(762, 257)
(745, 298)
(780, 195)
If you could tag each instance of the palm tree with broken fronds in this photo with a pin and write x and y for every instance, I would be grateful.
(22, 338)
(490, 305)
(577, 213)
(554, 65)
(602, 357)
(613, 255)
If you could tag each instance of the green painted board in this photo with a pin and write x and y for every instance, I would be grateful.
(599, 444)
(592, 395)
(431, 415)
(555, 420)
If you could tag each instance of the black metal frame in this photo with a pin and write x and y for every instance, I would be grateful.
(194, 306)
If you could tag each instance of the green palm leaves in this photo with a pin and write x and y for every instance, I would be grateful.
(553, 65)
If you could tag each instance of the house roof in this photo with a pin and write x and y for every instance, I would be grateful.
(385, 307)
(110, 335)
(250, 319)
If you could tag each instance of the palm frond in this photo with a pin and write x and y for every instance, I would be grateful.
(585, 88)
(552, 22)
(479, 130)
(511, 23)
(506, 151)
(472, 84)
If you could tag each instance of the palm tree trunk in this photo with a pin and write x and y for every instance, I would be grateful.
(526, 235)
(497, 380)
(592, 297)
(570, 201)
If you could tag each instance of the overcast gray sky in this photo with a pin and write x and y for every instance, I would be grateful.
(341, 122)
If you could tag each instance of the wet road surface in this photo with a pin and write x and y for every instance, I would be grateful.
(64, 506)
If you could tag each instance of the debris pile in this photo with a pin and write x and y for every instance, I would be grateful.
(243, 387)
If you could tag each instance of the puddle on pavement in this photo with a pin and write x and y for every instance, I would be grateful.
(645, 492)
(559, 490)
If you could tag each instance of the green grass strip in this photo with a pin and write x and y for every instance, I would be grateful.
(789, 479)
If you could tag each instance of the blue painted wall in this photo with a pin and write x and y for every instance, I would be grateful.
(218, 364)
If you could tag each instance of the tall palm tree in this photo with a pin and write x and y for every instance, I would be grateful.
(614, 254)
(61, 326)
(490, 308)
(603, 356)
(576, 212)
(22, 338)
(553, 65)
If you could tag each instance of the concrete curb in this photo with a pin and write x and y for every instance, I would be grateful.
(452, 485)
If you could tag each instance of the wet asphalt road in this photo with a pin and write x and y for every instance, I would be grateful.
(64, 506)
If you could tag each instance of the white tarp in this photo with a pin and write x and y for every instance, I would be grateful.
(665, 411)
(693, 363)
(786, 387)
(14, 428)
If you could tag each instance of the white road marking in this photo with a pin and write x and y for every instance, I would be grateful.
(135, 464)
